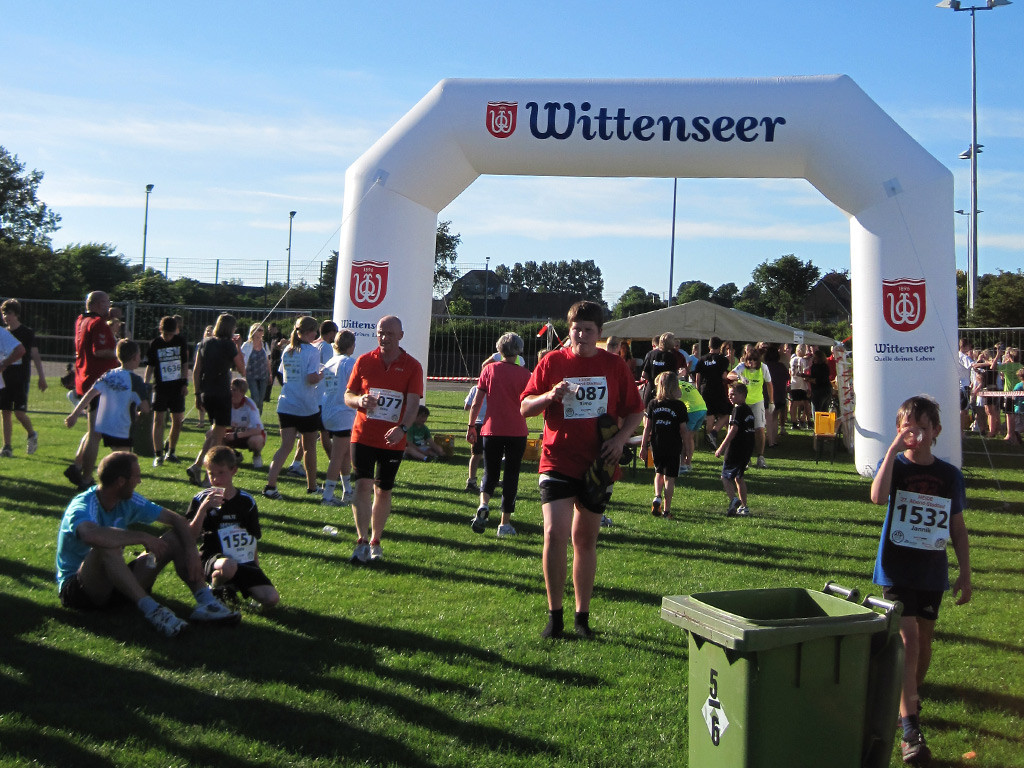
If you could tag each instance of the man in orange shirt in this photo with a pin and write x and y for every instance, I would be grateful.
(385, 389)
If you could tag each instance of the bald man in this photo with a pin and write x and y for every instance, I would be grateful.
(385, 389)
(95, 354)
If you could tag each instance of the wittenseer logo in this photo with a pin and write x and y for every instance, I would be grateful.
(903, 303)
(555, 120)
(501, 118)
(369, 283)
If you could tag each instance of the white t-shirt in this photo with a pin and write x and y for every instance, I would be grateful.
(797, 367)
(247, 416)
(298, 397)
(117, 396)
(8, 343)
(335, 415)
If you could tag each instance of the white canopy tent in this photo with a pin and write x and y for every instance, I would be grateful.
(704, 319)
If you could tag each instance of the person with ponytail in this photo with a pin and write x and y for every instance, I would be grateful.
(298, 405)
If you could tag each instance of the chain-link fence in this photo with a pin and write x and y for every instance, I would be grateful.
(458, 345)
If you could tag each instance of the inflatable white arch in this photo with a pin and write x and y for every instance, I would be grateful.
(824, 129)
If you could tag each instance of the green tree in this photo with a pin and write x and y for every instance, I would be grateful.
(636, 301)
(151, 287)
(784, 285)
(93, 267)
(751, 300)
(23, 217)
(726, 295)
(1000, 301)
(693, 290)
(582, 278)
(30, 271)
(445, 255)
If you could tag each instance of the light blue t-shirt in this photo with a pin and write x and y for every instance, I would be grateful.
(86, 507)
(335, 415)
(299, 397)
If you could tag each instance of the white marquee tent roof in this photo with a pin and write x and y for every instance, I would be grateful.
(703, 319)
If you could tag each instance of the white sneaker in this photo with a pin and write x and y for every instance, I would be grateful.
(215, 612)
(376, 553)
(257, 462)
(347, 497)
(158, 461)
(506, 529)
(761, 463)
(295, 472)
(165, 622)
(33, 443)
(334, 501)
(361, 554)
(606, 522)
(743, 511)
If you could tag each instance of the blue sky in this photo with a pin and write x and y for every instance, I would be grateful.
(240, 112)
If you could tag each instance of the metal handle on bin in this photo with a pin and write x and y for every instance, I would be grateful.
(885, 605)
(831, 588)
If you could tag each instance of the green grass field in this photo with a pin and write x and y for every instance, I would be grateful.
(433, 658)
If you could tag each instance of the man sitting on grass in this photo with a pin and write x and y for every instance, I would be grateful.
(91, 570)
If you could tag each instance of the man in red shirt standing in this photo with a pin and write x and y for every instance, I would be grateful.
(95, 354)
(385, 389)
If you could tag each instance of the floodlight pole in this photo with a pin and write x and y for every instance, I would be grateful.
(288, 276)
(672, 246)
(974, 150)
(145, 228)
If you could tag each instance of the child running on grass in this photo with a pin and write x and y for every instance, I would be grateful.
(738, 447)
(665, 429)
(121, 392)
(229, 533)
(926, 498)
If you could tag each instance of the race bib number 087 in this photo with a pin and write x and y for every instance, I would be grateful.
(919, 521)
(587, 397)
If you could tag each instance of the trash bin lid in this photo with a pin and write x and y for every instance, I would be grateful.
(761, 619)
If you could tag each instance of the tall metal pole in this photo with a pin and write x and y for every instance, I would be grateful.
(288, 277)
(672, 247)
(972, 246)
(487, 281)
(972, 252)
(145, 227)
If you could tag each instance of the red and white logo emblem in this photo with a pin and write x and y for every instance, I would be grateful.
(903, 303)
(369, 283)
(501, 118)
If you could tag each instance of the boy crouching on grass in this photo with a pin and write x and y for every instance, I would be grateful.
(738, 447)
(420, 443)
(229, 532)
(926, 499)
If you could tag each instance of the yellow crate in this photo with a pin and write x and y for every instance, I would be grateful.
(532, 452)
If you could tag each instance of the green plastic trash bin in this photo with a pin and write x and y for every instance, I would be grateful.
(789, 677)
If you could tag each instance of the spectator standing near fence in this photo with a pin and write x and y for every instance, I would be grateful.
(17, 378)
(385, 388)
(95, 354)
(257, 365)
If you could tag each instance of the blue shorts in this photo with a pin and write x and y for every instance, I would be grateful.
(694, 419)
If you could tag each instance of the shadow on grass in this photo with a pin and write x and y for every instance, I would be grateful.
(979, 700)
(982, 642)
(305, 659)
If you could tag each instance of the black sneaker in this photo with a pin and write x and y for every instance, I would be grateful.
(74, 476)
(479, 523)
(915, 751)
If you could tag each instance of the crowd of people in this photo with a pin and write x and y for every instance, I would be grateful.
(366, 413)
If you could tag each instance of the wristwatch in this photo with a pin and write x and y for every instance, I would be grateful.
(404, 428)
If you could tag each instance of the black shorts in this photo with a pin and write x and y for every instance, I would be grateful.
(247, 575)
(14, 396)
(109, 441)
(798, 395)
(218, 407)
(666, 458)
(340, 432)
(554, 486)
(734, 466)
(717, 404)
(920, 603)
(301, 424)
(379, 463)
(73, 595)
(169, 397)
